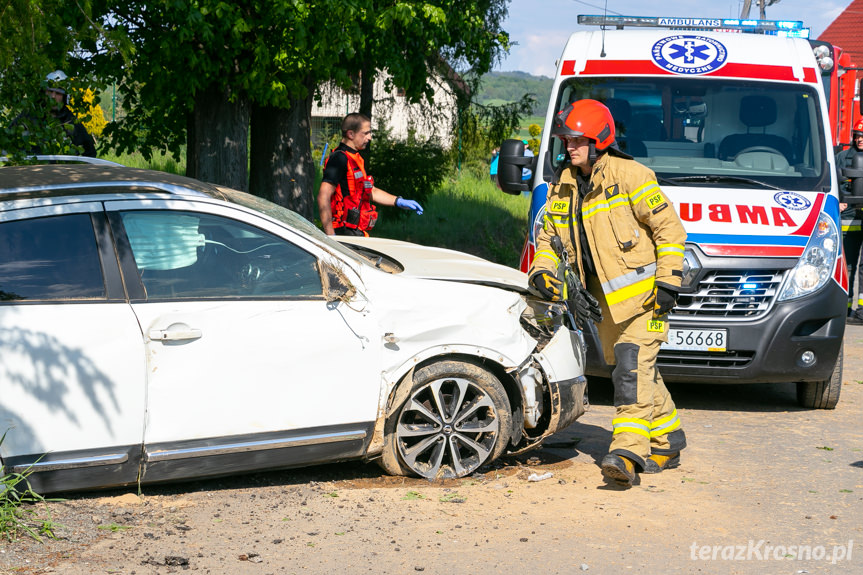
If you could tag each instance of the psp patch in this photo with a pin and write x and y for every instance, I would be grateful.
(656, 326)
(654, 200)
(559, 206)
(689, 54)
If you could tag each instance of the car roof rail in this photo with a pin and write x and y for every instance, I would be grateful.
(62, 158)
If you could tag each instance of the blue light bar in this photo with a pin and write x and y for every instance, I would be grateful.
(792, 28)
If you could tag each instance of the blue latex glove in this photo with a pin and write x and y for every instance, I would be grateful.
(409, 205)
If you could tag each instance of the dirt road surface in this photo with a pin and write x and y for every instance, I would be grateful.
(764, 488)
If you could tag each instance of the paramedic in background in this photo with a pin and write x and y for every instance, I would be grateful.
(625, 239)
(852, 233)
(346, 194)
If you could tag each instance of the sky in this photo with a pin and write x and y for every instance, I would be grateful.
(540, 28)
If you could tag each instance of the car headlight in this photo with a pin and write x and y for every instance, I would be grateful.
(817, 263)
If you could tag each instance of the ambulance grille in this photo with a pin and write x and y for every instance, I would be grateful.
(725, 359)
(732, 294)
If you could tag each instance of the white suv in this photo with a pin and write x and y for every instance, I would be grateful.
(156, 328)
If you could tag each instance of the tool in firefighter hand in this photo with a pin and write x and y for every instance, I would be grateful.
(581, 306)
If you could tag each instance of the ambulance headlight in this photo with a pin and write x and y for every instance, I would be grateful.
(816, 265)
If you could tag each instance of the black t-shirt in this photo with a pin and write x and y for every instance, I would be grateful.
(336, 171)
(586, 256)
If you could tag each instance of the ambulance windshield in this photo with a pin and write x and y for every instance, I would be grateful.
(737, 130)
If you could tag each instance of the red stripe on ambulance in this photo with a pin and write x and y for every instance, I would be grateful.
(647, 67)
(754, 251)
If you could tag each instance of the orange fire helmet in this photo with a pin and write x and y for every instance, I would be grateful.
(587, 118)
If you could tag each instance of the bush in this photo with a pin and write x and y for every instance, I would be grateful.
(411, 168)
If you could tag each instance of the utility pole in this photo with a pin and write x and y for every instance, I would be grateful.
(762, 8)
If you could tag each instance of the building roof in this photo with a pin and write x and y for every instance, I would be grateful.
(846, 31)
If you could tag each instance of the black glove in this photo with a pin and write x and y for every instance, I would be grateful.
(547, 285)
(665, 298)
(584, 306)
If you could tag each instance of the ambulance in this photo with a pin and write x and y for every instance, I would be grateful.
(736, 128)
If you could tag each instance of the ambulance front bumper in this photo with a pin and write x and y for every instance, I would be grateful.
(771, 349)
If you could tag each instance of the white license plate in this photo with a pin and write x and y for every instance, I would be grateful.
(697, 339)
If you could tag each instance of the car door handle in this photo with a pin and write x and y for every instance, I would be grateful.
(178, 333)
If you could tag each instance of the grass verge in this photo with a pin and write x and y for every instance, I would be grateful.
(467, 213)
(22, 510)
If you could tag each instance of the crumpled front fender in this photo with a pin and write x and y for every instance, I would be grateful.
(562, 362)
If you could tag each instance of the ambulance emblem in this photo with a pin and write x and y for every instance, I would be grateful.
(792, 201)
(688, 54)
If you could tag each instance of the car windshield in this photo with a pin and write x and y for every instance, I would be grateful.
(691, 131)
(291, 219)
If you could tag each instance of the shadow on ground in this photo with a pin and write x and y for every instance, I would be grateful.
(747, 397)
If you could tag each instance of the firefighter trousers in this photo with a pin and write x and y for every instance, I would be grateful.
(646, 419)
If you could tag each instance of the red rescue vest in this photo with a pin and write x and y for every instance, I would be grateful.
(354, 209)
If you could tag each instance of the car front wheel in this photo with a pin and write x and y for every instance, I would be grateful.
(456, 418)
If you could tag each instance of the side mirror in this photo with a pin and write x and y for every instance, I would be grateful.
(853, 170)
(510, 163)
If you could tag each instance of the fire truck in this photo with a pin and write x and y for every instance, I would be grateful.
(841, 90)
(738, 130)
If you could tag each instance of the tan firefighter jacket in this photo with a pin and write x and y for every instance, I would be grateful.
(635, 235)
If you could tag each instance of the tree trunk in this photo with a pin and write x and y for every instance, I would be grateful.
(191, 146)
(221, 137)
(367, 99)
(282, 167)
(367, 89)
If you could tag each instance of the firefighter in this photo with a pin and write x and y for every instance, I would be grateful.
(346, 194)
(626, 241)
(852, 234)
(79, 136)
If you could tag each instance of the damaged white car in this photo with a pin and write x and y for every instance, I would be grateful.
(154, 328)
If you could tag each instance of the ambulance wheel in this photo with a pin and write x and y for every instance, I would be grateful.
(455, 418)
(822, 394)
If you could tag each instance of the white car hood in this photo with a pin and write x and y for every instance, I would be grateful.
(442, 264)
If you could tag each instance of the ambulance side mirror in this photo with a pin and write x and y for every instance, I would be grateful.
(510, 163)
(853, 171)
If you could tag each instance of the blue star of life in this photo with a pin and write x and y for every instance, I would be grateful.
(687, 54)
(792, 201)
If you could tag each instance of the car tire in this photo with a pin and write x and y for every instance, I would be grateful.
(456, 418)
(822, 394)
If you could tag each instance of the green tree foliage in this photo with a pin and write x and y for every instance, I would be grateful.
(483, 128)
(34, 42)
(203, 72)
(413, 39)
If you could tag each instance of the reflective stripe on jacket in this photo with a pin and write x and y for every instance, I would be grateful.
(635, 235)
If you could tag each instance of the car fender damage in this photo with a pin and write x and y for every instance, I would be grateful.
(541, 358)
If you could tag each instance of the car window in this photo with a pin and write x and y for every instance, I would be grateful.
(291, 218)
(194, 255)
(50, 258)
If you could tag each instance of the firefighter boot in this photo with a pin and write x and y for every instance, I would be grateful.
(618, 468)
(657, 462)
